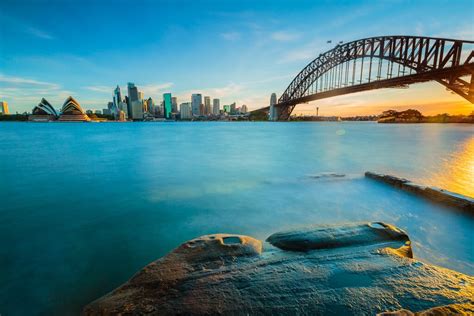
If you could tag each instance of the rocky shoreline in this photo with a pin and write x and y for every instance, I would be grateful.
(363, 268)
(445, 197)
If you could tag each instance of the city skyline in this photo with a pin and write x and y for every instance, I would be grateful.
(237, 53)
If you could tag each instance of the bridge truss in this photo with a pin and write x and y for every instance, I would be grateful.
(382, 62)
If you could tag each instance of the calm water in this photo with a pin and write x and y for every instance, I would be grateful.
(84, 206)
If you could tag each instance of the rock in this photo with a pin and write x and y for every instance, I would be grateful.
(448, 198)
(348, 269)
(454, 309)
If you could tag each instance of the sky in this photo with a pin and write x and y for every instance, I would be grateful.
(237, 51)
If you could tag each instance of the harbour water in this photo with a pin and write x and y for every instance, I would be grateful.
(85, 206)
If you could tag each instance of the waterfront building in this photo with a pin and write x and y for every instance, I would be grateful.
(227, 109)
(123, 107)
(121, 116)
(244, 109)
(106, 112)
(4, 108)
(72, 111)
(167, 107)
(185, 110)
(97, 111)
(196, 101)
(216, 106)
(43, 112)
(174, 105)
(272, 113)
(207, 105)
(141, 96)
(233, 109)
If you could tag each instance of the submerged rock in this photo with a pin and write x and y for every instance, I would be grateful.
(448, 198)
(348, 269)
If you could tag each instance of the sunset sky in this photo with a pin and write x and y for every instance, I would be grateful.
(238, 51)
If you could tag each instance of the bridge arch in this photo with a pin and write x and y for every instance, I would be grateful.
(341, 69)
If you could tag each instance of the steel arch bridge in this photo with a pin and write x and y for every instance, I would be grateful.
(382, 62)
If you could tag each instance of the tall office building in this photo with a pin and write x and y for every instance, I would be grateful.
(196, 101)
(233, 109)
(174, 105)
(272, 113)
(141, 96)
(150, 105)
(167, 107)
(244, 109)
(117, 96)
(4, 108)
(132, 98)
(216, 106)
(207, 105)
(185, 110)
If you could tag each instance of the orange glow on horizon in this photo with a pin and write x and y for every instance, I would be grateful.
(429, 98)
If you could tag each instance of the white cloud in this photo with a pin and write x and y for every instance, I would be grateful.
(38, 33)
(17, 81)
(231, 36)
(101, 89)
(155, 89)
(284, 36)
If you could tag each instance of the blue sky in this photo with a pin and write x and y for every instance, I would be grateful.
(238, 51)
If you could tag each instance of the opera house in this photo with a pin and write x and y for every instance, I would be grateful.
(43, 112)
(70, 112)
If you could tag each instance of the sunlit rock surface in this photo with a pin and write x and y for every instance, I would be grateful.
(339, 270)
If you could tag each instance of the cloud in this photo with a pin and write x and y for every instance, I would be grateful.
(38, 33)
(101, 89)
(284, 36)
(155, 89)
(24, 93)
(18, 81)
(231, 36)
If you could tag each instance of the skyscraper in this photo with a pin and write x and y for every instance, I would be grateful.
(207, 105)
(233, 109)
(243, 109)
(216, 106)
(117, 96)
(4, 108)
(174, 105)
(196, 101)
(132, 98)
(150, 105)
(185, 110)
(167, 105)
(272, 113)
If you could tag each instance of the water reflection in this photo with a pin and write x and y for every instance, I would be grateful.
(457, 172)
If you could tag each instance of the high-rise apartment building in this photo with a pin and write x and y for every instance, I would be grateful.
(185, 110)
(174, 105)
(207, 105)
(196, 101)
(216, 106)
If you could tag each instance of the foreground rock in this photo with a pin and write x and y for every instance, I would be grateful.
(340, 270)
(432, 193)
